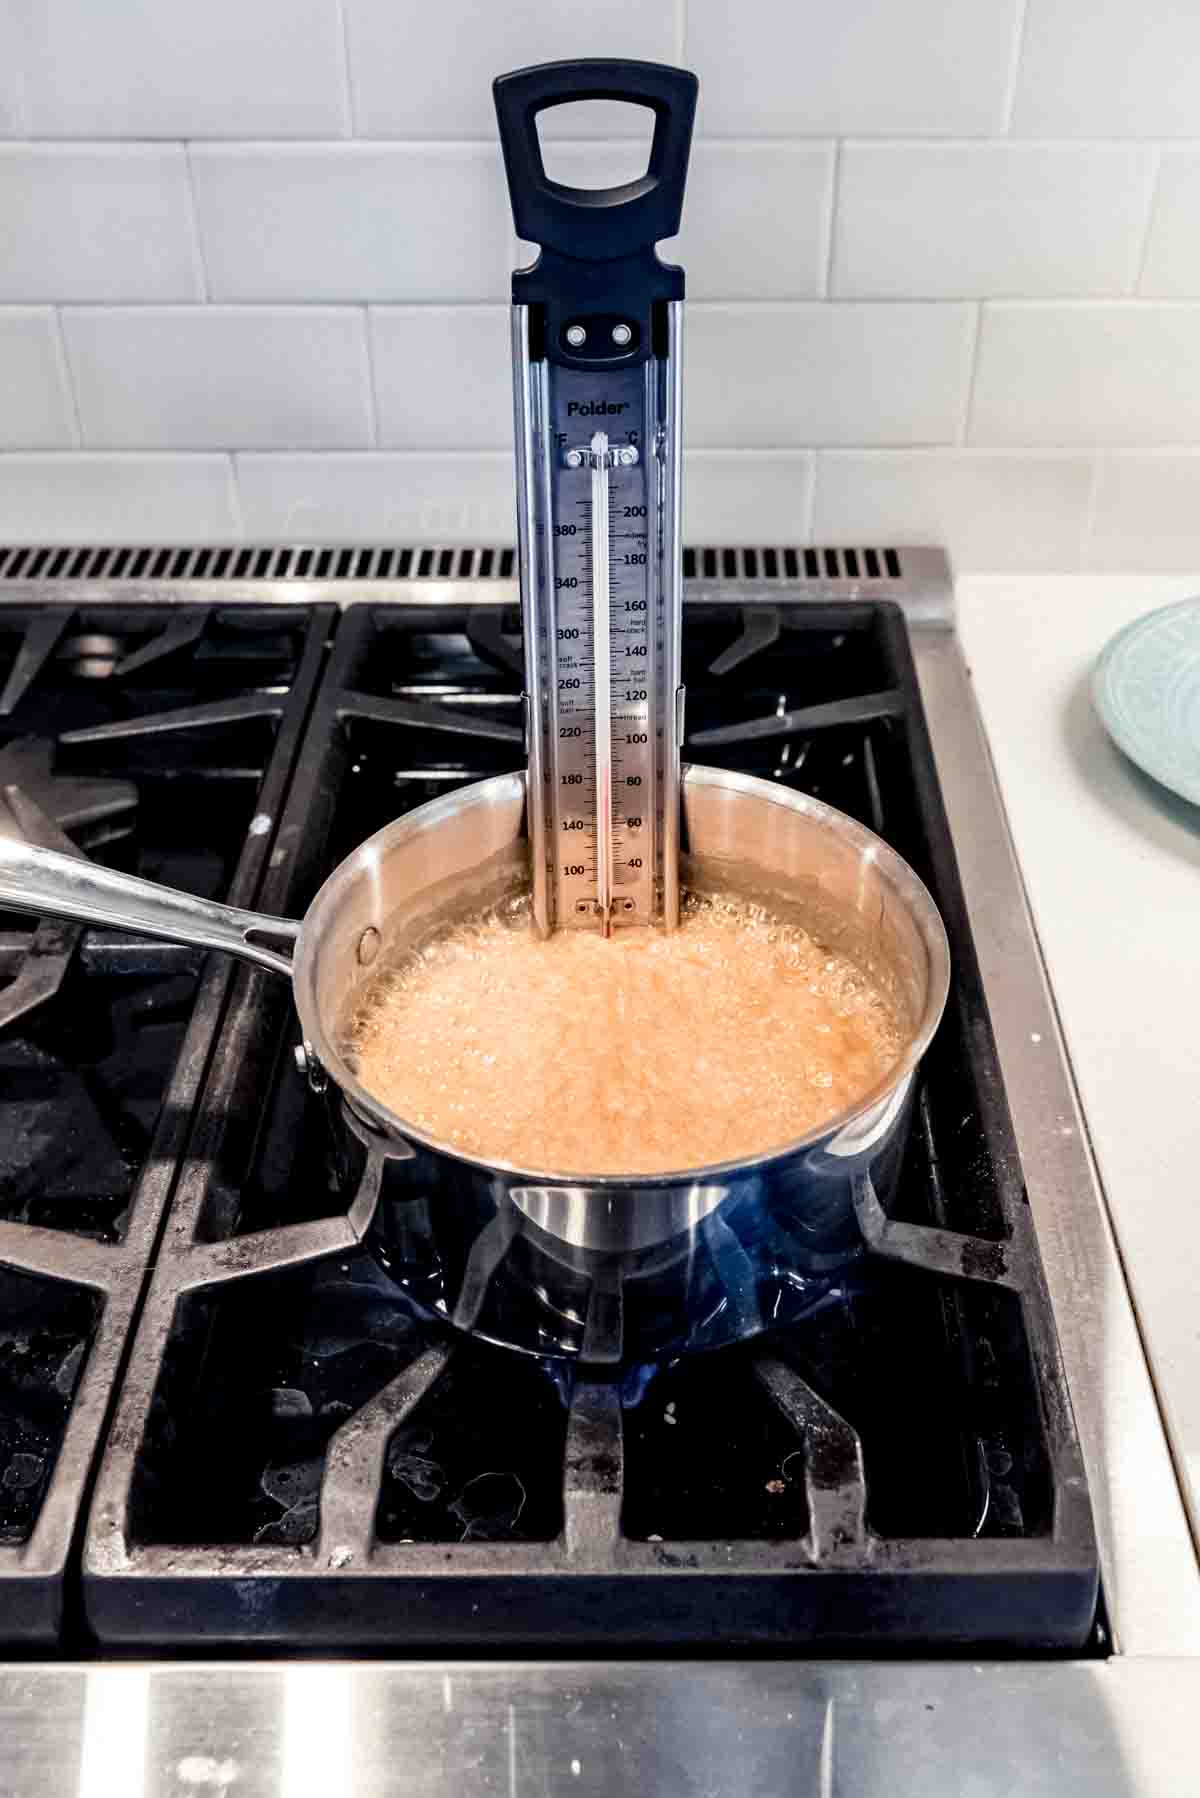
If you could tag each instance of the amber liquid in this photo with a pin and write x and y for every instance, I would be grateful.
(645, 1053)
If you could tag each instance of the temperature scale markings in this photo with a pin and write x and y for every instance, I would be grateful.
(611, 685)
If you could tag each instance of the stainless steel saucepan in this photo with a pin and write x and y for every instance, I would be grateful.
(557, 1260)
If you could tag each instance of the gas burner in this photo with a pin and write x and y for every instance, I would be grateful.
(519, 1286)
(92, 653)
(91, 656)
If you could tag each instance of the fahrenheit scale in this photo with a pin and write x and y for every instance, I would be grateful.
(596, 333)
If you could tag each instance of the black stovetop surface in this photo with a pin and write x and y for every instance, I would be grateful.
(153, 1111)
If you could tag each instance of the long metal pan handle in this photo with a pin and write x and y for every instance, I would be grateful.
(48, 884)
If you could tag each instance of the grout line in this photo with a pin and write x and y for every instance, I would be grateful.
(1134, 289)
(343, 56)
(1014, 68)
(127, 453)
(235, 496)
(1089, 512)
(194, 221)
(833, 191)
(68, 375)
(381, 140)
(810, 510)
(736, 140)
(972, 370)
(816, 302)
(406, 305)
(348, 303)
(1032, 452)
(833, 197)
(372, 396)
(710, 303)
(492, 453)
(812, 302)
(756, 453)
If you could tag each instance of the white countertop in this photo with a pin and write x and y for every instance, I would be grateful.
(1112, 867)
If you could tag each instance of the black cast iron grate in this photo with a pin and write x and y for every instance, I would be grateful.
(159, 739)
(300, 1458)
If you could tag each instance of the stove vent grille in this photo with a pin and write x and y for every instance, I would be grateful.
(373, 562)
(916, 578)
(254, 562)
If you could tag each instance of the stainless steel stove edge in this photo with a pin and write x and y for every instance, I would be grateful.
(732, 1729)
(1148, 1557)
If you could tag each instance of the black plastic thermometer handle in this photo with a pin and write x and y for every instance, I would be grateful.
(596, 224)
(597, 267)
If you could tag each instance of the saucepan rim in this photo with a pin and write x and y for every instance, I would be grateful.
(321, 1046)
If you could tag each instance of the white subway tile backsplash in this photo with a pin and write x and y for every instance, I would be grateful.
(1146, 513)
(804, 68)
(96, 222)
(427, 497)
(765, 376)
(756, 221)
(219, 377)
(991, 510)
(443, 377)
(117, 499)
(428, 71)
(747, 496)
(35, 400)
(132, 68)
(1172, 265)
(353, 221)
(1108, 68)
(906, 224)
(925, 221)
(1120, 374)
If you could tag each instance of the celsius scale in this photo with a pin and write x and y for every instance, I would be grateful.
(596, 336)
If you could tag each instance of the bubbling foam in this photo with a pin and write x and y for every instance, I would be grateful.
(645, 1053)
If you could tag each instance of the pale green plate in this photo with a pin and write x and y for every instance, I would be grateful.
(1146, 688)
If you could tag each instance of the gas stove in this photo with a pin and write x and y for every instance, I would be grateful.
(934, 1518)
(224, 1420)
